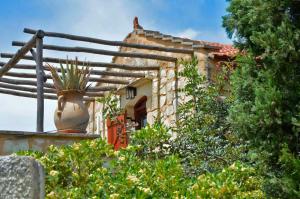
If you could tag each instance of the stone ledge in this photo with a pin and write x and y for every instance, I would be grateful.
(55, 134)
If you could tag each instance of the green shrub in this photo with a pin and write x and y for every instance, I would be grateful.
(235, 181)
(286, 184)
(70, 170)
(152, 140)
(91, 169)
(265, 87)
(204, 140)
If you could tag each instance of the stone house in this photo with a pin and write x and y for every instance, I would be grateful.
(156, 95)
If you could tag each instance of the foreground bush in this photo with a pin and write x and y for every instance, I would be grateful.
(91, 169)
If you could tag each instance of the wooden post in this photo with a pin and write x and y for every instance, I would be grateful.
(40, 82)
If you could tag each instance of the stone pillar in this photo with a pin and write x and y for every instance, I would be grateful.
(21, 177)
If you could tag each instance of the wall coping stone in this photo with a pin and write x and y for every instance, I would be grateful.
(46, 134)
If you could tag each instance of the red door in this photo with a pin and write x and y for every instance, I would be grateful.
(117, 132)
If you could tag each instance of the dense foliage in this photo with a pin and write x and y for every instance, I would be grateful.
(153, 141)
(204, 140)
(266, 87)
(111, 107)
(92, 169)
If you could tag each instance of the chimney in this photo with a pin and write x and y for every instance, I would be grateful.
(136, 25)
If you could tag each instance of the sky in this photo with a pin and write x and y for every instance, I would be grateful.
(105, 19)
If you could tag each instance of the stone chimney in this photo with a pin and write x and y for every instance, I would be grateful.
(136, 25)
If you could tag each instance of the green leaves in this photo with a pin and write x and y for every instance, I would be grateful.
(91, 169)
(266, 85)
(204, 141)
(153, 141)
(72, 77)
(111, 108)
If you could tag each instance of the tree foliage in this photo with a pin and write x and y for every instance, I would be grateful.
(266, 87)
(266, 83)
(204, 140)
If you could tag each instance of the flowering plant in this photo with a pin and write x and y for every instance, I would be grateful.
(92, 169)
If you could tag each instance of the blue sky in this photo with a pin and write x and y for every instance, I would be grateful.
(107, 19)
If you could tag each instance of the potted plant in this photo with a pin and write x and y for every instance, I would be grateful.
(71, 114)
(115, 121)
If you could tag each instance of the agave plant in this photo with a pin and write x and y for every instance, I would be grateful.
(72, 77)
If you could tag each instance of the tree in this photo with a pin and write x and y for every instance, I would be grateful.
(204, 140)
(266, 82)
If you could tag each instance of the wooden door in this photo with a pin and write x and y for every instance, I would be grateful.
(140, 113)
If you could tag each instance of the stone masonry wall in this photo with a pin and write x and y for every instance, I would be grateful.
(163, 91)
(14, 141)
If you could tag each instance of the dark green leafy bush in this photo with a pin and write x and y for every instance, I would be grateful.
(266, 88)
(204, 140)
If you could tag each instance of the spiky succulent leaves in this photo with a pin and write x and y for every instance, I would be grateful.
(85, 76)
(72, 76)
(63, 74)
(57, 80)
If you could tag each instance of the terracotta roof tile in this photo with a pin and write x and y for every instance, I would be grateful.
(218, 49)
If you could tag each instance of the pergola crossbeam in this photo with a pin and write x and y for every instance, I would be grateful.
(102, 52)
(25, 88)
(46, 90)
(91, 79)
(111, 43)
(18, 55)
(91, 64)
(31, 95)
(48, 85)
(93, 72)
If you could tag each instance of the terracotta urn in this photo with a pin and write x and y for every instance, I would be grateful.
(71, 114)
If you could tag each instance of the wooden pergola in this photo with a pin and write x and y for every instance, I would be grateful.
(19, 85)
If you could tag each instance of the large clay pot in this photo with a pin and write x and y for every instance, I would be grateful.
(71, 115)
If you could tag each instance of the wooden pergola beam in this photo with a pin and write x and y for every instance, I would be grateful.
(91, 79)
(31, 95)
(23, 82)
(91, 64)
(19, 54)
(48, 85)
(93, 72)
(46, 90)
(111, 43)
(25, 88)
(103, 52)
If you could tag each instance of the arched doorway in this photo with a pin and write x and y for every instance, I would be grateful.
(140, 113)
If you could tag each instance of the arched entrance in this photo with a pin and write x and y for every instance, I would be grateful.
(140, 113)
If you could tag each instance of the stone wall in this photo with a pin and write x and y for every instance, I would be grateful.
(21, 177)
(13, 141)
(165, 85)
